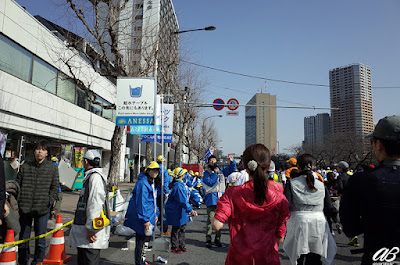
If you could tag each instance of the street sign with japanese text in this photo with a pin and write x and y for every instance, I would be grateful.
(168, 115)
(135, 101)
(232, 113)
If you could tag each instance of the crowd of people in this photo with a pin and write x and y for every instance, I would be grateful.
(298, 206)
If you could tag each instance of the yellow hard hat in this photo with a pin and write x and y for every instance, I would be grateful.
(196, 173)
(54, 158)
(152, 165)
(191, 172)
(199, 185)
(179, 171)
(160, 158)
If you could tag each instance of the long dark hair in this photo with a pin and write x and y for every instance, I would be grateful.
(306, 163)
(260, 154)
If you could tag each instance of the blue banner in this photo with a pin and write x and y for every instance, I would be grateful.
(135, 120)
(144, 129)
(150, 138)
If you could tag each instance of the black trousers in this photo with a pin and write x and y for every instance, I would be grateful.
(310, 259)
(88, 256)
(140, 253)
(178, 236)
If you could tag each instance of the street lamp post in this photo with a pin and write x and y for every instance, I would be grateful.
(190, 30)
(204, 121)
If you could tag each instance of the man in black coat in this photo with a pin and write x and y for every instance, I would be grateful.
(39, 182)
(371, 202)
(2, 189)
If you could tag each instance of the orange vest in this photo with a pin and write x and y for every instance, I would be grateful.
(287, 171)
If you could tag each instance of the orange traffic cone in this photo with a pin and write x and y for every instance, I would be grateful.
(8, 255)
(56, 254)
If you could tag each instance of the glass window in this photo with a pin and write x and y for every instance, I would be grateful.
(95, 108)
(15, 60)
(107, 113)
(66, 88)
(44, 75)
(81, 99)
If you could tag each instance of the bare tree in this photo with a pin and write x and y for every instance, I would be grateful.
(116, 44)
(346, 146)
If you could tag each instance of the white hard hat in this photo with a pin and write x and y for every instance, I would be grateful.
(272, 167)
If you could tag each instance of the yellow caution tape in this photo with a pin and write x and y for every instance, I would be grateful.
(36, 237)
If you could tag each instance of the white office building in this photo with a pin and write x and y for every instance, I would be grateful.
(39, 98)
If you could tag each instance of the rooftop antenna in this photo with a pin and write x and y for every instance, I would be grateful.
(265, 85)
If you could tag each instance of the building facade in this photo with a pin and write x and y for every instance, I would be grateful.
(351, 93)
(260, 121)
(316, 129)
(40, 99)
(150, 48)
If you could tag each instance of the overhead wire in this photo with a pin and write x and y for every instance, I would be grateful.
(249, 93)
(271, 79)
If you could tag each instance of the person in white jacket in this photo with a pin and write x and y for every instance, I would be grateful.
(92, 201)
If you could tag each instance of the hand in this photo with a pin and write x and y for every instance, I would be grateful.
(193, 213)
(230, 157)
(156, 220)
(279, 240)
(216, 170)
(147, 225)
(91, 236)
(6, 211)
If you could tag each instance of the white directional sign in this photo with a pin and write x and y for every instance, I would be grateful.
(135, 101)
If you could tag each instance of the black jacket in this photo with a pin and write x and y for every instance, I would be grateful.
(2, 188)
(371, 205)
(38, 187)
(342, 181)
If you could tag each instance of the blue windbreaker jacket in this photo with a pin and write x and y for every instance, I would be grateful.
(177, 207)
(210, 180)
(167, 180)
(195, 198)
(188, 180)
(141, 208)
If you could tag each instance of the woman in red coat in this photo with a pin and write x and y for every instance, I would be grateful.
(256, 214)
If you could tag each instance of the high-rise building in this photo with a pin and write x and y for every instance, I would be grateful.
(261, 121)
(147, 41)
(316, 129)
(351, 93)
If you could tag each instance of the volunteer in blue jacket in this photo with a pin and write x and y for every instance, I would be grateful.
(212, 181)
(187, 179)
(177, 210)
(167, 181)
(142, 212)
(195, 197)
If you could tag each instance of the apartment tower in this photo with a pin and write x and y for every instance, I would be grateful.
(316, 129)
(351, 93)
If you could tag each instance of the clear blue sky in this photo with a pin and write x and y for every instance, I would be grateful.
(290, 40)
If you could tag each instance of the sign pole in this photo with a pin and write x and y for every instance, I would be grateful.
(140, 143)
(162, 171)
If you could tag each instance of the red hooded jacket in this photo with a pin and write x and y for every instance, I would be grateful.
(253, 228)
